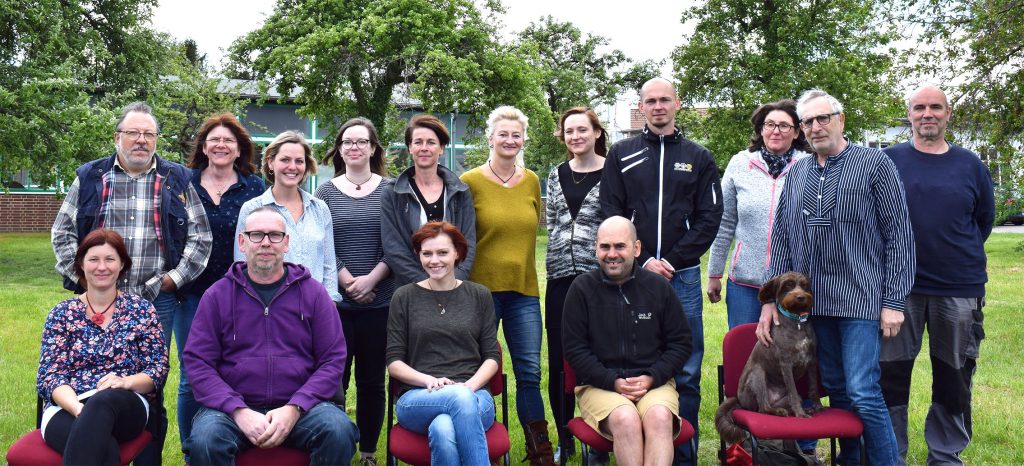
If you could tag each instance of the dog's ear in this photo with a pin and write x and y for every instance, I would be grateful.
(769, 291)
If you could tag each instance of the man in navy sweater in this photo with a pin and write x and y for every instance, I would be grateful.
(950, 199)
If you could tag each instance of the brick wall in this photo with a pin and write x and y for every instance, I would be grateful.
(25, 212)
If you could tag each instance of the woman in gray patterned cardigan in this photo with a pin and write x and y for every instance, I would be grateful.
(751, 188)
(573, 215)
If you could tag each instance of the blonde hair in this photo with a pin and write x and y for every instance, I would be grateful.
(506, 112)
(287, 137)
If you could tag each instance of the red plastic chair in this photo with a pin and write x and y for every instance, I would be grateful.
(32, 450)
(590, 437)
(412, 448)
(832, 423)
(277, 456)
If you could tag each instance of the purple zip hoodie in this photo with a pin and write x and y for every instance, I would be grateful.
(241, 354)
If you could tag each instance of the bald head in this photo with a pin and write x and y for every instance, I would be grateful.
(656, 82)
(617, 248)
(929, 89)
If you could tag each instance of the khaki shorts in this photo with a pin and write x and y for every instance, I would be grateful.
(597, 404)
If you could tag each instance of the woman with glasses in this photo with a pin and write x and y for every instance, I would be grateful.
(424, 192)
(286, 163)
(751, 187)
(573, 215)
(507, 200)
(354, 199)
(224, 176)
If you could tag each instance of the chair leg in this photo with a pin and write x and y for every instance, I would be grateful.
(584, 455)
(832, 446)
(753, 450)
(863, 451)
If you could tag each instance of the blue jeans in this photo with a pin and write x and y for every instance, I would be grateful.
(742, 303)
(686, 284)
(520, 318)
(848, 352)
(187, 404)
(325, 432)
(454, 420)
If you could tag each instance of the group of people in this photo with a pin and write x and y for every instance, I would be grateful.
(277, 296)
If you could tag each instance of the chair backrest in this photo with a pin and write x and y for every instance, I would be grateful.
(569, 378)
(736, 348)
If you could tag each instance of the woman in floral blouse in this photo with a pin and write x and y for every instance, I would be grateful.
(102, 352)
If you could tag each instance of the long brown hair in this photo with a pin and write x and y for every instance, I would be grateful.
(244, 163)
(600, 146)
(757, 121)
(377, 163)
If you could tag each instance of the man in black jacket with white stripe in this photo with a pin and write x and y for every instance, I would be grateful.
(669, 187)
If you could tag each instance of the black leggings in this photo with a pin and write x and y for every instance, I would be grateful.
(554, 301)
(366, 341)
(110, 416)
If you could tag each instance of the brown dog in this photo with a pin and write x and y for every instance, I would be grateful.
(767, 384)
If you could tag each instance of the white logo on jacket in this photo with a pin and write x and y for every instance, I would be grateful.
(683, 167)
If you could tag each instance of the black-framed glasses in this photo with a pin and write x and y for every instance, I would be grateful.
(135, 135)
(361, 143)
(821, 119)
(225, 141)
(257, 236)
(783, 128)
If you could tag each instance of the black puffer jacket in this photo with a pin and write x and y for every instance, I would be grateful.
(669, 187)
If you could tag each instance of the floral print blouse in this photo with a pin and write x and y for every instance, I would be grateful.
(77, 352)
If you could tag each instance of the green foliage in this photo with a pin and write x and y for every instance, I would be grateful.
(66, 67)
(346, 58)
(745, 53)
(973, 49)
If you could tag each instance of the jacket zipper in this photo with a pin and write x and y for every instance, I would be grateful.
(622, 341)
(661, 192)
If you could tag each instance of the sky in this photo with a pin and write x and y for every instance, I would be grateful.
(648, 33)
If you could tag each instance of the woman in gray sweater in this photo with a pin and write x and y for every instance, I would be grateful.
(751, 188)
(443, 348)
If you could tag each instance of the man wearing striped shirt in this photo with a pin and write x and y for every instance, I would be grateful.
(843, 221)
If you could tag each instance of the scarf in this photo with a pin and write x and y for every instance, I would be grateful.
(776, 162)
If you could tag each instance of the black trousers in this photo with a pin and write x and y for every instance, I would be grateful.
(366, 340)
(110, 416)
(554, 302)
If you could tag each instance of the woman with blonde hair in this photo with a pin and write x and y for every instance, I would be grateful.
(287, 161)
(507, 201)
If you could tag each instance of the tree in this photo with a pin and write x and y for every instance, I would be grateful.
(744, 53)
(351, 57)
(973, 49)
(56, 57)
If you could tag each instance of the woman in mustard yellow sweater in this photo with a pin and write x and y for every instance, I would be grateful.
(508, 205)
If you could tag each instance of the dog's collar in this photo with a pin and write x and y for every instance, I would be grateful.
(802, 317)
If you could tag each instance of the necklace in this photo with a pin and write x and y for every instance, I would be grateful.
(359, 185)
(98, 317)
(504, 182)
(572, 173)
(441, 304)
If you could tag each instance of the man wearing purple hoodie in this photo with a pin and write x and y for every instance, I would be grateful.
(264, 355)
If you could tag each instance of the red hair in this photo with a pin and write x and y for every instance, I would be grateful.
(99, 238)
(432, 230)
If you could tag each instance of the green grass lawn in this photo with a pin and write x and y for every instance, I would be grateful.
(29, 288)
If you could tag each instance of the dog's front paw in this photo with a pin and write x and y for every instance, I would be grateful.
(779, 412)
(816, 408)
(801, 413)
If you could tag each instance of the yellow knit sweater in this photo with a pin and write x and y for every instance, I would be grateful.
(506, 232)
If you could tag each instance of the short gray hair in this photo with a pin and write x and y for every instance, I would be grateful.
(812, 94)
(137, 107)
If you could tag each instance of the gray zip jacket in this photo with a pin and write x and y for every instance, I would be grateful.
(571, 242)
(749, 199)
(402, 215)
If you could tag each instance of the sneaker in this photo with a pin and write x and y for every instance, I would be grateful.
(368, 461)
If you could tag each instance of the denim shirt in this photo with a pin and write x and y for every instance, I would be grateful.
(311, 239)
(223, 218)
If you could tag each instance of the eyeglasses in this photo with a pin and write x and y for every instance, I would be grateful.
(225, 141)
(257, 236)
(821, 119)
(134, 135)
(783, 128)
(348, 143)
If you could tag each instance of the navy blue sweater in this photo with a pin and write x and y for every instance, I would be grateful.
(951, 210)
